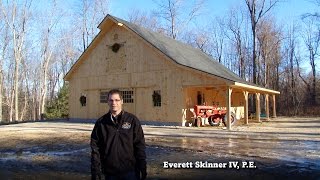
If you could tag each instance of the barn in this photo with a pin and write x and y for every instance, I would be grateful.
(161, 79)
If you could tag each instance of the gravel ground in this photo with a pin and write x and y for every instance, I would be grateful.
(282, 148)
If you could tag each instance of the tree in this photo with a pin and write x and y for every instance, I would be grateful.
(58, 108)
(269, 38)
(311, 39)
(290, 54)
(4, 43)
(16, 19)
(257, 9)
(90, 14)
(144, 19)
(200, 39)
(237, 36)
(48, 46)
(175, 16)
(315, 15)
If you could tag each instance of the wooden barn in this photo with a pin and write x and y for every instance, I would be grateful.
(161, 79)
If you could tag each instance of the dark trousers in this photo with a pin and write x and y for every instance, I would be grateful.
(131, 175)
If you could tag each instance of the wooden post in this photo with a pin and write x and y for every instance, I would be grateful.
(184, 115)
(228, 104)
(258, 110)
(274, 115)
(245, 93)
(267, 106)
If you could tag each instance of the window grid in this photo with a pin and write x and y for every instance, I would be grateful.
(104, 97)
(127, 96)
(157, 103)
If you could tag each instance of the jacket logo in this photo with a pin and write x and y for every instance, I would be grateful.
(126, 125)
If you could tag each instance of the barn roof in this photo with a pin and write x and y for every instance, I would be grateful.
(181, 53)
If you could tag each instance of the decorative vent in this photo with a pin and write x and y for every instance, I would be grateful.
(115, 47)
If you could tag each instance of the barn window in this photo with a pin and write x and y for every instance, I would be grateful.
(104, 97)
(156, 97)
(83, 100)
(127, 96)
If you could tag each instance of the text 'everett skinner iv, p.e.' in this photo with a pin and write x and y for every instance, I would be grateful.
(209, 165)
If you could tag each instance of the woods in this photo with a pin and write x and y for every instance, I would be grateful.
(40, 42)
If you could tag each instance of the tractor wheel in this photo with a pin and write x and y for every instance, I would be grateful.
(233, 119)
(211, 121)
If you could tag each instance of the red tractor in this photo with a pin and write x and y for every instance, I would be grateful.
(211, 114)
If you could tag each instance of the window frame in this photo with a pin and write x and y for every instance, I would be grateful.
(157, 101)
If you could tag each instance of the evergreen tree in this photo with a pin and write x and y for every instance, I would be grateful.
(58, 107)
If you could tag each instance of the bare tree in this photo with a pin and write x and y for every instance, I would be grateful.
(257, 9)
(16, 20)
(315, 15)
(4, 43)
(48, 47)
(26, 91)
(291, 48)
(34, 89)
(200, 39)
(67, 53)
(312, 41)
(172, 11)
(144, 19)
(218, 39)
(91, 13)
(235, 25)
(269, 38)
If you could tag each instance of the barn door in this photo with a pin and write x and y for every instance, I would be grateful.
(142, 103)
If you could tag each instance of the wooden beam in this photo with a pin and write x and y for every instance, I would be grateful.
(267, 106)
(258, 110)
(245, 93)
(228, 104)
(256, 88)
(216, 86)
(274, 115)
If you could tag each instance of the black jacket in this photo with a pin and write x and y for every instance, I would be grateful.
(117, 147)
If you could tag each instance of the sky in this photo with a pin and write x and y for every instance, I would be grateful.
(284, 11)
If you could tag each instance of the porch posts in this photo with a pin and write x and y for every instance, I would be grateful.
(267, 105)
(245, 93)
(274, 115)
(258, 110)
(228, 104)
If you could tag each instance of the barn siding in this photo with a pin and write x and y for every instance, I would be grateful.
(137, 66)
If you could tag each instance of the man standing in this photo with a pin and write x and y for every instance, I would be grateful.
(117, 143)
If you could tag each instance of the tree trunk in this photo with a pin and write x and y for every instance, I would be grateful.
(44, 90)
(11, 105)
(314, 101)
(254, 56)
(1, 86)
(16, 91)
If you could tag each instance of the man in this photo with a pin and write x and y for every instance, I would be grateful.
(117, 143)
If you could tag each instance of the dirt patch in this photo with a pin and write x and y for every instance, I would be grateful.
(280, 148)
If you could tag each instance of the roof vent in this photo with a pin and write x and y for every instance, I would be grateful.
(115, 47)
